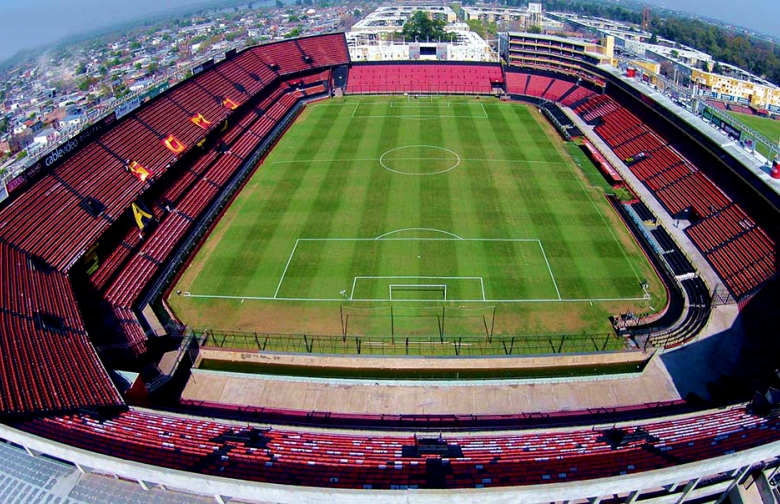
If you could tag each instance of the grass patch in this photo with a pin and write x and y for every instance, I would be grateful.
(770, 128)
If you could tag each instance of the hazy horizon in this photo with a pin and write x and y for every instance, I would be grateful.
(35, 23)
(758, 15)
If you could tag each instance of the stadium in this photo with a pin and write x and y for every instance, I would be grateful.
(293, 277)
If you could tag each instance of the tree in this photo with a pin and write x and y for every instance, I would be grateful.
(421, 27)
(477, 27)
(675, 53)
(295, 32)
(654, 38)
(81, 69)
(85, 83)
(279, 4)
(534, 29)
(356, 13)
(152, 68)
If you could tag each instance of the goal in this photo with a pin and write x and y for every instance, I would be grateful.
(405, 292)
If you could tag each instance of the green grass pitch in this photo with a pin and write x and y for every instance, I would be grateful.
(377, 201)
(768, 127)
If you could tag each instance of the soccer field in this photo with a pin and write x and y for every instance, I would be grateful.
(764, 125)
(377, 201)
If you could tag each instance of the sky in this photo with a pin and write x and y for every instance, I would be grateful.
(26, 24)
(760, 15)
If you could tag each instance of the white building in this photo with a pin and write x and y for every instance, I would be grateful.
(525, 16)
(390, 19)
(46, 136)
(467, 46)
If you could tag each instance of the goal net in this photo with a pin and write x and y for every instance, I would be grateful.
(417, 292)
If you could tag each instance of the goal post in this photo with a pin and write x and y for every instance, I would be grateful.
(437, 289)
(417, 288)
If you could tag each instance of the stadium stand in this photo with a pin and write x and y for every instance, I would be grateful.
(678, 262)
(740, 109)
(53, 385)
(424, 78)
(562, 122)
(376, 461)
(576, 95)
(48, 363)
(54, 223)
(545, 87)
(717, 104)
(742, 253)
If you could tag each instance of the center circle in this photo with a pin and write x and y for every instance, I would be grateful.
(420, 160)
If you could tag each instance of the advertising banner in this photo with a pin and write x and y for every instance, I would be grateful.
(127, 107)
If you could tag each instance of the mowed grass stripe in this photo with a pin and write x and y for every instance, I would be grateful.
(512, 190)
(405, 201)
(490, 212)
(437, 205)
(532, 183)
(246, 260)
(376, 205)
(326, 198)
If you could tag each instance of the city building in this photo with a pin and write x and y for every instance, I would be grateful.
(391, 19)
(557, 54)
(525, 16)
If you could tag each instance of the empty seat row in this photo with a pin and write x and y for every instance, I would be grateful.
(382, 461)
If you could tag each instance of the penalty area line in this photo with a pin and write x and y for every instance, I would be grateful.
(550, 269)
(281, 279)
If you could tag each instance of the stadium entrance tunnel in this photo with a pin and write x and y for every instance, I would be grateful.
(419, 160)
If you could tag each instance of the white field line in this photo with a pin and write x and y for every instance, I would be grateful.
(550, 269)
(384, 238)
(418, 229)
(425, 239)
(419, 117)
(417, 285)
(486, 160)
(281, 279)
(412, 277)
(604, 220)
(341, 299)
(420, 105)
